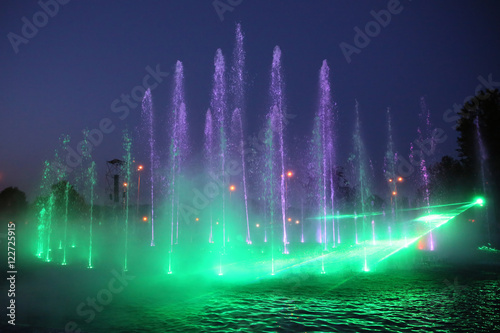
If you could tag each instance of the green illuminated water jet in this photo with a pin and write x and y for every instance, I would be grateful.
(127, 147)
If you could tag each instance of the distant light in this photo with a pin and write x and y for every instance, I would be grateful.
(145, 218)
(257, 225)
(197, 219)
(400, 179)
(232, 188)
(139, 168)
(217, 222)
(125, 184)
(394, 193)
(289, 219)
(289, 174)
(390, 180)
(297, 222)
(480, 201)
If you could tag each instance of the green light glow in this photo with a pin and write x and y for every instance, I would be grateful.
(479, 201)
(438, 219)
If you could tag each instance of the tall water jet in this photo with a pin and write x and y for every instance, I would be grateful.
(45, 206)
(89, 179)
(237, 72)
(238, 94)
(278, 114)
(209, 156)
(425, 135)
(237, 129)
(218, 106)
(325, 150)
(148, 116)
(482, 158)
(178, 151)
(178, 143)
(390, 171)
(360, 156)
(92, 181)
(269, 180)
(127, 158)
(66, 204)
(320, 176)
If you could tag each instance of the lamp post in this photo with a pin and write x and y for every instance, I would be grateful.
(125, 185)
(139, 169)
(394, 182)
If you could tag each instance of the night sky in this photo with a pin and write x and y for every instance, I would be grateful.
(65, 78)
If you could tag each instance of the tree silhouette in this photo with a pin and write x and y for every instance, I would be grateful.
(12, 203)
(479, 146)
(479, 122)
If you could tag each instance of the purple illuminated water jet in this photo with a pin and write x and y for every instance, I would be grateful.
(218, 106)
(237, 130)
(178, 151)
(209, 156)
(425, 135)
(148, 116)
(238, 94)
(278, 114)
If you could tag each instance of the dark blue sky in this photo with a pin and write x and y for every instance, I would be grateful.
(65, 78)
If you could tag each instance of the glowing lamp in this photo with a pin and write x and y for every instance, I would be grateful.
(479, 201)
(289, 219)
(125, 184)
(232, 188)
(257, 225)
(400, 179)
(139, 168)
(145, 218)
(394, 193)
(289, 174)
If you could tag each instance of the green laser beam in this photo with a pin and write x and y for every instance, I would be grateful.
(351, 216)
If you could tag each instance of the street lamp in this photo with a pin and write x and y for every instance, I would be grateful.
(395, 181)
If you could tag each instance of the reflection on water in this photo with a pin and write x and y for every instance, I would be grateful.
(436, 299)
